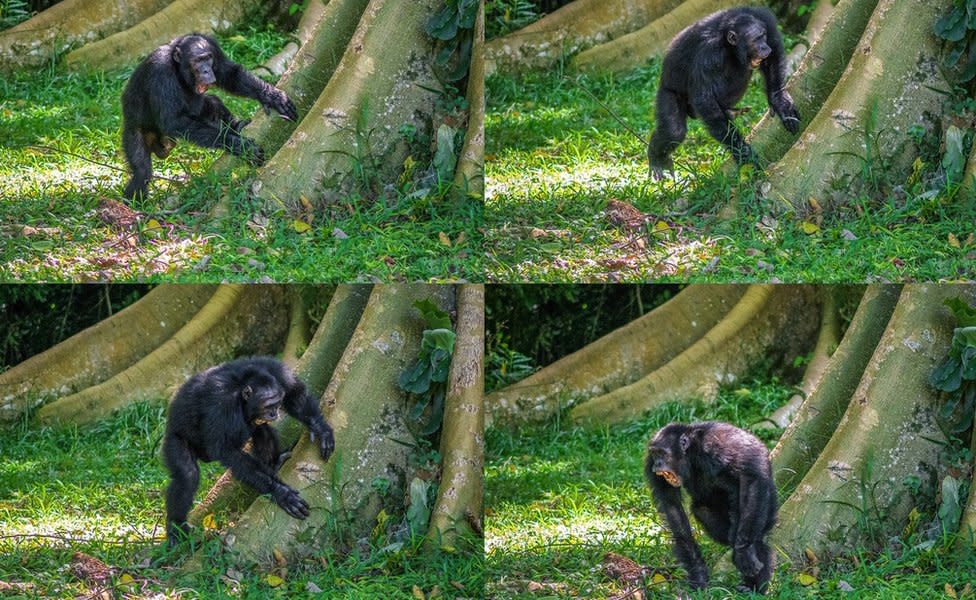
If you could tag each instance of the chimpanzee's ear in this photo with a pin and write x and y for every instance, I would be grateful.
(177, 54)
(246, 393)
(684, 442)
(731, 37)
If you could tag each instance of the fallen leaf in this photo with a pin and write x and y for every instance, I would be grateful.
(954, 242)
(126, 579)
(279, 557)
(809, 228)
(210, 522)
(445, 241)
(339, 234)
(418, 593)
(949, 590)
(273, 580)
(300, 226)
(805, 579)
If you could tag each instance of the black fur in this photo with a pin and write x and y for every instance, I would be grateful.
(705, 73)
(726, 472)
(165, 100)
(212, 417)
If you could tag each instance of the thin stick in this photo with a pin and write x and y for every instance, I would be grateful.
(612, 114)
(94, 162)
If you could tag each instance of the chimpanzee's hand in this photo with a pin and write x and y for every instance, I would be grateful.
(746, 561)
(253, 153)
(279, 102)
(289, 501)
(326, 442)
(783, 107)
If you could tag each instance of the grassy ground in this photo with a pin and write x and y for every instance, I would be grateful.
(555, 158)
(99, 491)
(560, 498)
(57, 126)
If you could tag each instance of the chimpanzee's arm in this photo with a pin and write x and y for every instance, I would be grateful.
(237, 80)
(305, 407)
(247, 469)
(774, 74)
(668, 500)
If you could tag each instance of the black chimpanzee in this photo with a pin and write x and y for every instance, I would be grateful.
(726, 472)
(706, 71)
(216, 413)
(165, 99)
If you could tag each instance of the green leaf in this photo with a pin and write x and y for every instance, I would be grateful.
(948, 376)
(418, 513)
(438, 339)
(467, 13)
(954, 159)
(416, 379)
(443, 24)
(964, 313)
(950, 510)
(952, 27)
(435, 317)
(445, 158)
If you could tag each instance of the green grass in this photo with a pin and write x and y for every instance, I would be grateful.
(555, 157)
(561, 497)
(56, 126)
(99, 490)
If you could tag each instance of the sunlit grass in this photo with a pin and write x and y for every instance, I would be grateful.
(61, 160)
(556, 158)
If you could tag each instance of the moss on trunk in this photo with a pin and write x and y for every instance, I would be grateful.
(102, 350)
(617, 359)
(637, 48)
(178, 18)
(575, 26)
(68, 23)
(768, 320)
(855, 492)
(237, 319)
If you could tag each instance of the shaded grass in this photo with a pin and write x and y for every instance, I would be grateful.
(555, 157)
(99, 490)
(56, 126)
(561, 497)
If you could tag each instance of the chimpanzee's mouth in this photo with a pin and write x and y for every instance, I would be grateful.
(202, 88)
(670, 477)
(754, 63)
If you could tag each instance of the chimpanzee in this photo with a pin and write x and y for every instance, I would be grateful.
(726, 472)
(706, 71)
(165, 99)
(214, 415)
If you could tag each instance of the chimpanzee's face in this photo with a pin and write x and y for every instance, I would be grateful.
(665, 455)
(196, 61)
(748, 37)
(262, 398)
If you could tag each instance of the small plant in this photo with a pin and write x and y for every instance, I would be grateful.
(958, 29)
(956, 376)
(453, 28)
(427, 379)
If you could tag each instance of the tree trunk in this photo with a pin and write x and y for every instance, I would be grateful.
(816, 76)
(252, 319)
(350, 140)
(367, 409)
(855, 491)
(637, 48)
(71, 22)
(575, 26)
(178, 18)
(459, 497)
(858, 136)
(324, 34)
(618, 358)
(469, 177)
(102, 350)
(819, 414)
(827, 342)
(768, 320)
(315, 369)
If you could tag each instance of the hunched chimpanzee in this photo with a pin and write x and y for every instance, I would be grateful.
(213, 417)
(727, 473)
(165, 99)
